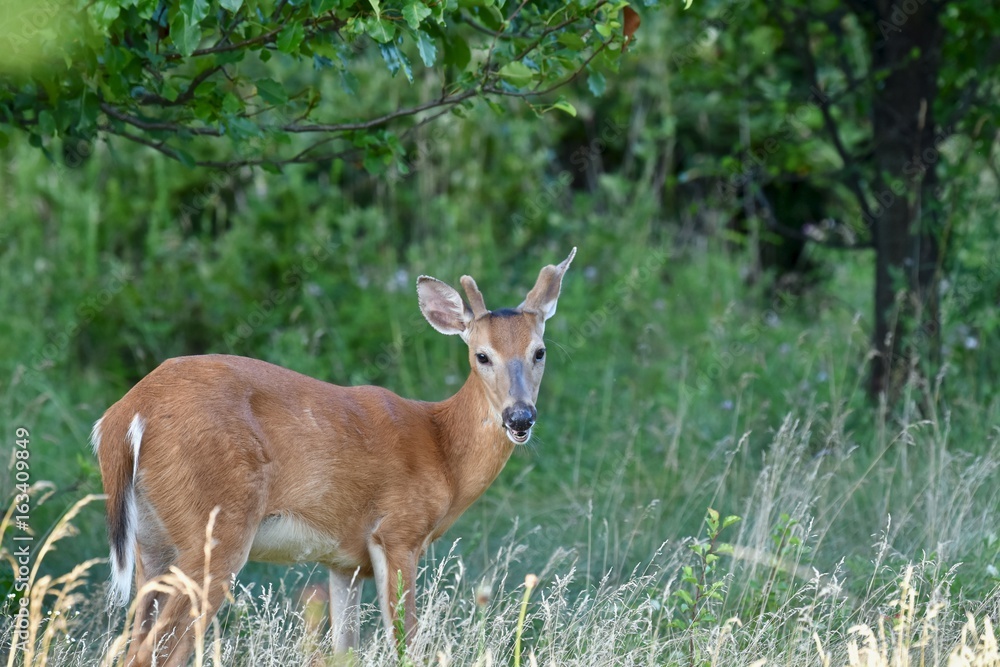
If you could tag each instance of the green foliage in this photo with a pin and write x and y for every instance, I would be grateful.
(231, 82)
(670, 371)
(767, 594)
(703, 590)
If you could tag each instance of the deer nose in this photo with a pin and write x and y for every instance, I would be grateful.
(519, 417)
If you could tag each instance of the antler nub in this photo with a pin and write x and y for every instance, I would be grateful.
(474, 296)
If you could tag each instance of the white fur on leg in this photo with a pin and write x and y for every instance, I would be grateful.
(345, 610)
(381, 567)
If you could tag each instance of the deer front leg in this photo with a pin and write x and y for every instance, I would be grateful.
(395, 576)
(345, 610)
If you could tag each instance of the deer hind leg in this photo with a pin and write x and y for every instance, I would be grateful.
(154, 556)
(149, 601)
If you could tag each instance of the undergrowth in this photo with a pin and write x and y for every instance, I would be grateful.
(740, 592)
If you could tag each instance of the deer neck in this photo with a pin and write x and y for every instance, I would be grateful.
(472, 441)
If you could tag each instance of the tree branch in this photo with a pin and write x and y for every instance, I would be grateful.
(801, 30)
(448, 101)
(775, 225)
(156, 126)
(264, 38)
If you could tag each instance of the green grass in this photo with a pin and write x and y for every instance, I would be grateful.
(672, 387)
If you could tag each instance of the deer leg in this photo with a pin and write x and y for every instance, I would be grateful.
(149, 602)
(170, 640)
(345, 610)
(395, 575)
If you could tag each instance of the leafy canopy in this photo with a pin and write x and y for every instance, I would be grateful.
(231, 82)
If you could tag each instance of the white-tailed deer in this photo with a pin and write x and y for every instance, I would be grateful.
(355, 478)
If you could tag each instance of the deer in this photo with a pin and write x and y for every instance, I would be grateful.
(293, 469)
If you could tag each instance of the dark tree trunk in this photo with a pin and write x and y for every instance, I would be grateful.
(907, 47)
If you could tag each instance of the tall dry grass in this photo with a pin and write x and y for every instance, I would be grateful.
(777, 605)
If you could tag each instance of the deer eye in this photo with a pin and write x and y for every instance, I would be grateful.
(482, 358)
(539, 354)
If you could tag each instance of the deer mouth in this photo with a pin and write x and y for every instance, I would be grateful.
(515, 436)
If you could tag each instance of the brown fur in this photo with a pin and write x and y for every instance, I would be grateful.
(358, 465)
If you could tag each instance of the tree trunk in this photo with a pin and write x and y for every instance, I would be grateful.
(907, 46)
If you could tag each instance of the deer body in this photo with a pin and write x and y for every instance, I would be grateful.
(356, 478)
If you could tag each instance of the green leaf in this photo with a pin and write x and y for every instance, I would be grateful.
(563, 105)
(730, 520)
(185, 35)
(596, 83)
(194, 10)
(456, 52)
(427, 48)
(232, 5)
(374, 164)
(290, 38)
(712, 519)
(349, 82)
(396, 60)
(381, 30)
(185, 158)
(517, 74)
(571, 40)
(375, 6)
(271, 91)
(46, 123)
(105, 12)
(232, 104)
(414, 13)
(684, 595)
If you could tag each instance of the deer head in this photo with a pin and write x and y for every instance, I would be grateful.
(506, 350)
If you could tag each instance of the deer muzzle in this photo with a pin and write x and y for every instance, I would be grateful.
(518, 420)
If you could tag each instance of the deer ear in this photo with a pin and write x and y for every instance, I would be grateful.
(443, 307)
(543, 296)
